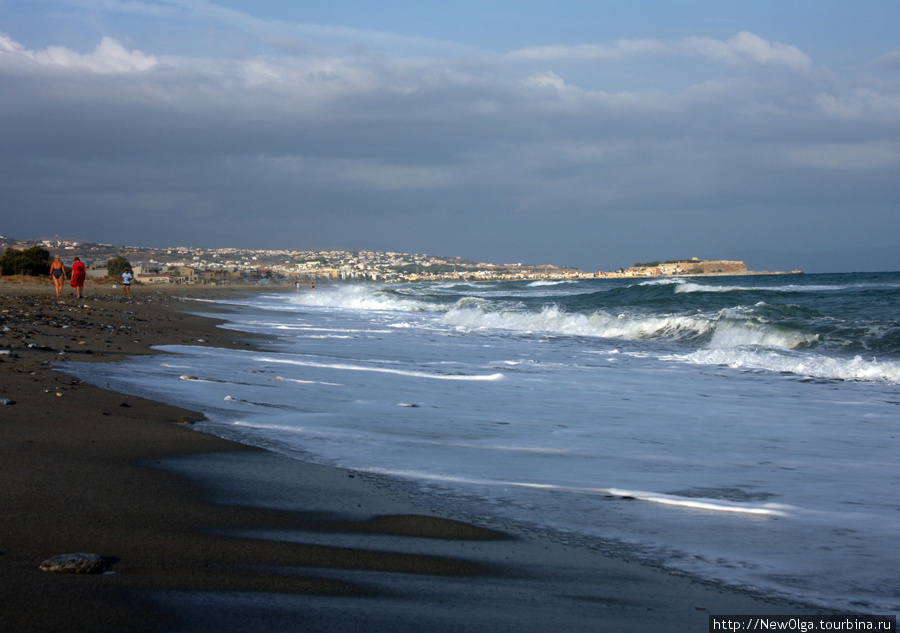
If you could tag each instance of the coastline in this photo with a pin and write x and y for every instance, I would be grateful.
(181, 515)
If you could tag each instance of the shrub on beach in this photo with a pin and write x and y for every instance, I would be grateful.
(34, 261)
(117, 265)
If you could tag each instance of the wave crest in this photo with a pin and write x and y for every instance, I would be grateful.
(359, 297)
(857, 368)
(719, 331)
(552, 319)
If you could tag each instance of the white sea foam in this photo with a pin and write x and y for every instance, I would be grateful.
(686, 503)
(309, 328)
(473, 302)
(360, 297)
(197, 379)
(727, 329)
(663, 281)
(855, 368)
(305, 382)
(598, 324)
(540, 283)
(684, 285)
(695, 287)
(699, 503)
(381, 370)
(729, 333)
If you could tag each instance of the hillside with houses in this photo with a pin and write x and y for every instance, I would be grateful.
(190, 265)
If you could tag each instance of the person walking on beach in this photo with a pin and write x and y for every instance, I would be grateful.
(79, 272)
(126, 281)
(58, 275)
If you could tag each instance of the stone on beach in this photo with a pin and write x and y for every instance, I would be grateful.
(75, 564)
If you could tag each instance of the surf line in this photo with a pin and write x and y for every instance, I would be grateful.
(772, 509)
(382, 370)
(699, 503)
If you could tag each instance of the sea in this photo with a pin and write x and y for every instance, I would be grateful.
(743, 430)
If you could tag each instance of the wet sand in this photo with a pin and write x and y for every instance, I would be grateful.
(204, 534)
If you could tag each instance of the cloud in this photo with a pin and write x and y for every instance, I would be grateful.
(743, 48)
(134, 7)
(623, 148)
(369, 174)
(547, 79)
(861, 104)
(108, 57)
(890, 60)
(848, 156)
(747, 48)
(587, 52)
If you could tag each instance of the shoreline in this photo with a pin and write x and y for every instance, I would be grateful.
(202, 533)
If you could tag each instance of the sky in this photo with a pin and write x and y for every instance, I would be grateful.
(585, 133)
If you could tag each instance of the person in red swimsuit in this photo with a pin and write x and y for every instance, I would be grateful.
(79, 272)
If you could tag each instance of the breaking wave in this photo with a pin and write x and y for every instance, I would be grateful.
(361, 297)
(714, 331)
(815, 366)
(810, 329)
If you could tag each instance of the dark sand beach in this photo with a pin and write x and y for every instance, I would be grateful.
(204, 534)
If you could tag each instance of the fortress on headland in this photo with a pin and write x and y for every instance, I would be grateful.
(232, 265)
(692, 266)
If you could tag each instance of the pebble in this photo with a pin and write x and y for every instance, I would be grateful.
(75, 564)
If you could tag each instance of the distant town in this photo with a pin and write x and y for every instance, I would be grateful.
(183, 264)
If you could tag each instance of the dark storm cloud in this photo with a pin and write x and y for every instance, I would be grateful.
(749, 145)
